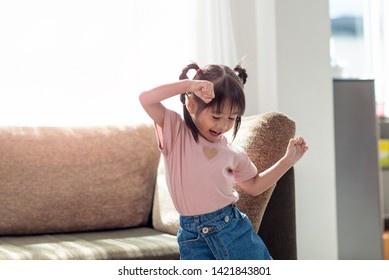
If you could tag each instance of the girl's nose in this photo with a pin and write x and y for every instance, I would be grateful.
(223, 125)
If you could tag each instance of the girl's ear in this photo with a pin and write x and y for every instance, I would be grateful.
(191, 104)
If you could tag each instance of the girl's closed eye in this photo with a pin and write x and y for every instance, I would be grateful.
(218, 117)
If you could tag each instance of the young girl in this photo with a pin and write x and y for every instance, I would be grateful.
(202, 166)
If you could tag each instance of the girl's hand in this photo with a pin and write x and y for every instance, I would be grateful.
(204, 90)
(296, 149)
(267, 178)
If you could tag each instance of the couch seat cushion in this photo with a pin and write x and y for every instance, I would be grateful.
(127, 244)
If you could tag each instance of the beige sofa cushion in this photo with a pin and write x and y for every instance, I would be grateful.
(265, 138)
(76, 179)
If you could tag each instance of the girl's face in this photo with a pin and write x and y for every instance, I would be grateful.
(213, 124)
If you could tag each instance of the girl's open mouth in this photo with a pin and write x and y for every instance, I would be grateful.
(214, 133)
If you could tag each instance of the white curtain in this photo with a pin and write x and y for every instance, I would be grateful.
(83, 62)
(215, 41)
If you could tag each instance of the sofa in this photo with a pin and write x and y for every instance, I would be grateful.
(99, 192)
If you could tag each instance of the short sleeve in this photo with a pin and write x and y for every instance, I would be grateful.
(244, 168)
(167, 135)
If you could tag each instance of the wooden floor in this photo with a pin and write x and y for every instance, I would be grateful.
(386, 245)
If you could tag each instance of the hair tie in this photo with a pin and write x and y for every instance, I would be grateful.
(198, 70)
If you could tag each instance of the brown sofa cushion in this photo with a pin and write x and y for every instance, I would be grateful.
(265, 138)
(76, 179)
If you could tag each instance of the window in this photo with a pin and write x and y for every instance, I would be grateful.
(349, 46)
(85, 62)
(359, 38)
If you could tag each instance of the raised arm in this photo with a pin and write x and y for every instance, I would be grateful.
(264, 180)
(151, 99)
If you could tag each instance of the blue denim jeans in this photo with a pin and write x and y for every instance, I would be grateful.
(226, 234)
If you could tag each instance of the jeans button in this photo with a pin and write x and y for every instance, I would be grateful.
(205, 230)
(226, 219)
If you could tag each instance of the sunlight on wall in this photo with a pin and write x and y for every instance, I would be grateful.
(85, 62)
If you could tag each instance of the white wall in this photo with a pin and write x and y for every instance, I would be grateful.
(303, 89)
(289, 70)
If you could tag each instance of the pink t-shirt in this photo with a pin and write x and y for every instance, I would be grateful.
(200, 175)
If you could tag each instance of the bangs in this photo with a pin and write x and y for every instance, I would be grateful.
(228, 90)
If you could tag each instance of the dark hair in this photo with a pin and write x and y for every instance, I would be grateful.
(228, 85)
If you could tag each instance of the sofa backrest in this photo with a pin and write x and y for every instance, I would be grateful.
(55, 179)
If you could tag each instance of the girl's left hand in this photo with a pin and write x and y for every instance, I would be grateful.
(296, 149)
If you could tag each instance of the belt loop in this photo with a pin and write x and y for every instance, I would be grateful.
(197, 220)
(236, 212)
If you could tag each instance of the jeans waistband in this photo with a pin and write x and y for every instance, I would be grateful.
(229, 210)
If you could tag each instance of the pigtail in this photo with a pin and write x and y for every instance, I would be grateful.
(188, 119)
(184, 73)
(238, 121)
(242, 74)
